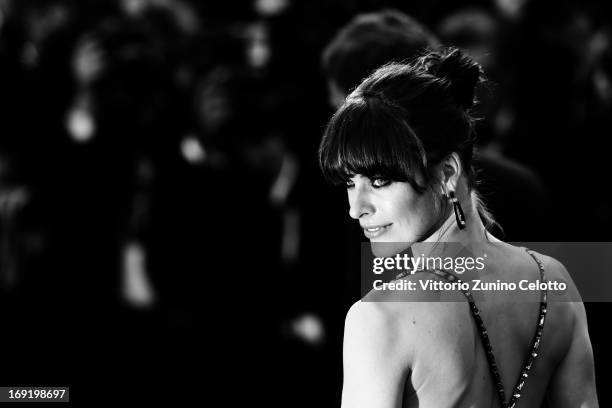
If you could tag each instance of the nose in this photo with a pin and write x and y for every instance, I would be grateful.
(360, 203)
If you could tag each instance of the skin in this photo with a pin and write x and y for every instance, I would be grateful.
(427, 353)
(401, 213)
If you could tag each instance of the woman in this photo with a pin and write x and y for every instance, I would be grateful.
(403, 144)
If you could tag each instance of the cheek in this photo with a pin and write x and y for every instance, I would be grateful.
(419, 211)
(430, 208)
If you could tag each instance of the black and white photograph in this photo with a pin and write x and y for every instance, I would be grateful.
(306, 203)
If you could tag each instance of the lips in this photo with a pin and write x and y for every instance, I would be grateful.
(375, 230)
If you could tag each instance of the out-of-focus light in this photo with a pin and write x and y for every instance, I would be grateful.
(80, 125)
(134, 7)
(271, 7)
(192, 150)
(137, 289)
(603, 86)
(510, 8)
(308, 328)
(258, 48)
(29, 55)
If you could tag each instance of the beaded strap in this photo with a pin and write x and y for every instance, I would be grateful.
(537, 336)
(535, 345)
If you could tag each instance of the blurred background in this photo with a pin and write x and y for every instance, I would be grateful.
(165, 233)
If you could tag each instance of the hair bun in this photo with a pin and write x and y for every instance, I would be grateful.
(460, 71)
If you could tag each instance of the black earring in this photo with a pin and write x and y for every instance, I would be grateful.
(459, 215)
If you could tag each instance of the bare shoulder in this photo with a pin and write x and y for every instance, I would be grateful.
(378, 317)
(573, 381)
(375, 327)
(519, 261)
(384, 316)
(566, 313)
(555, 271)
(400, 319)
(376, 360)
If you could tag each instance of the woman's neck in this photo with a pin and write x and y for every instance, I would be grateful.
(449, 231)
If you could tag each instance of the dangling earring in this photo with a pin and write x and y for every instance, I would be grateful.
(459, 215)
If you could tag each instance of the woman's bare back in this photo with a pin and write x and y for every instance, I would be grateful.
(444, 358)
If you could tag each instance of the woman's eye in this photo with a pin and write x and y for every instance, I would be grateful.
(349, 184)
(380, 182)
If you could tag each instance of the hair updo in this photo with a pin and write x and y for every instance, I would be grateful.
(403, 120)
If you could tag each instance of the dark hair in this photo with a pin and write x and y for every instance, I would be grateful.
(403, 120)
(371, 40)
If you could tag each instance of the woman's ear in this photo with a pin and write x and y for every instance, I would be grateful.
(451, 169)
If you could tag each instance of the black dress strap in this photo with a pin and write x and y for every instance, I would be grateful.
(535, 344)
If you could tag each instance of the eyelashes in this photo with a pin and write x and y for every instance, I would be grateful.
(380, 182)
(376, 182)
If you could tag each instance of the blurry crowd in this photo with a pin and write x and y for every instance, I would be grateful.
(162, 215)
